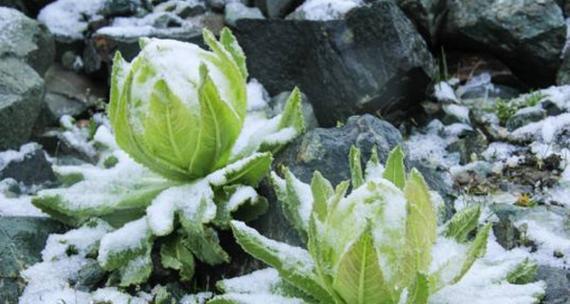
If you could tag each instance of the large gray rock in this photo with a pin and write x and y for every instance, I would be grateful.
(374, 61)
(21, 95)
(277, 8)
(28, 166)
(21, 241)
(427, 15)
(528, 35)
(557, 284)
(29, 7)
(26, 39)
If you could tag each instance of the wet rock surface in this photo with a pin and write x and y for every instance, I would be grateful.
(373, 61)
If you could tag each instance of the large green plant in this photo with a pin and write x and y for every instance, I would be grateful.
(179, 112)
(374, 245)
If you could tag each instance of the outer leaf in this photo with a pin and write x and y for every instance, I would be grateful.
(359, 279)
(118, 76)
(118, 195)
(322, 192)
(293, 263)
(355, 167)
(219, 128)
(247, 171)
(419, 291)
(126, 136)
(421, 225)
(463, 224)
(373, 167)
(476, 250)
(136, 271)
(292, 115)
(174, 255)
(231, 45)
(395, 169)
(524, 273)
(125, 244)
(237, 298)
(267, 281)
(241, 202)
(297, 200)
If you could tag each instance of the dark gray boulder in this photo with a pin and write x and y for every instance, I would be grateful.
(22, 240)
(326, 150)
(29, 166)
(527, 35)
(28, 7)
(557, 284)
(374, 61)
(277, 8)
(21, 97)
(24, 38)
(427, 15)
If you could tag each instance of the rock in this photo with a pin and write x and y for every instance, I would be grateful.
(28, 165)
(427, 15)
(525, 116)
(237, 11)
(456, 113)
(563, 76)
(113, 8)
(372, 62)
(21, 241)
(29, 7)
(527, 35)
(21, 94)
(472, 144)
(277, 8)
(323, 10)
(68, 93)
(326, 150)
(557, 284)
(219, 4)
(25, 39)
(182, 9)
(89, 276)
(277, 103)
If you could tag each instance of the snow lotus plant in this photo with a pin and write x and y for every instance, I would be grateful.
(188, 158)
(378, 244)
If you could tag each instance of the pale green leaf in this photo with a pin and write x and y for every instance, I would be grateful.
(322, 191)
(231, 45)
(294, 264)
(292, 116)
(136, 271)
(247, 171)
(240, 202)
(395, 170)
(356, 174)
(524, 273)
(421, 227)
(476, 250)
(419, 292)
(238, 298)
(359, 279)
(174, 255)
(463, 224)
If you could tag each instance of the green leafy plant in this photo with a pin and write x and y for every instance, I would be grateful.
(505, 109)
(374, 245)
(186, 156)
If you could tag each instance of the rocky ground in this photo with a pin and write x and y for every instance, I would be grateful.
(476, 92)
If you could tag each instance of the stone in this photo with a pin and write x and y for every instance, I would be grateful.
(22, 240)
(525, 116)
(24, 38)
(237, 11)
(326, 150)
(277, 8)
(28, 166)
(68, 93)
(427, 15)
(182, 9)
(277, 104)
(372, 62)
(29, 7)
(563, 75)
(474, 143)
(557, 284)
(89, 276)
(527, 35)
(21, 95)
(113, 8)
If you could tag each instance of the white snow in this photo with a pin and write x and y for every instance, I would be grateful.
(135, 27)
(499, 151)
(257, 96)
(444, 92)
(131, 236)
(240, 196)
(83, 240)
(9, 156)
(16, 205)
(76, 137)
(544, 130)
(324, 9)
(264, 281)
(70, 18)
(458, 112)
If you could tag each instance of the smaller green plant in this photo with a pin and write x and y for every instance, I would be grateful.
(505, 109)
(374, 245)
